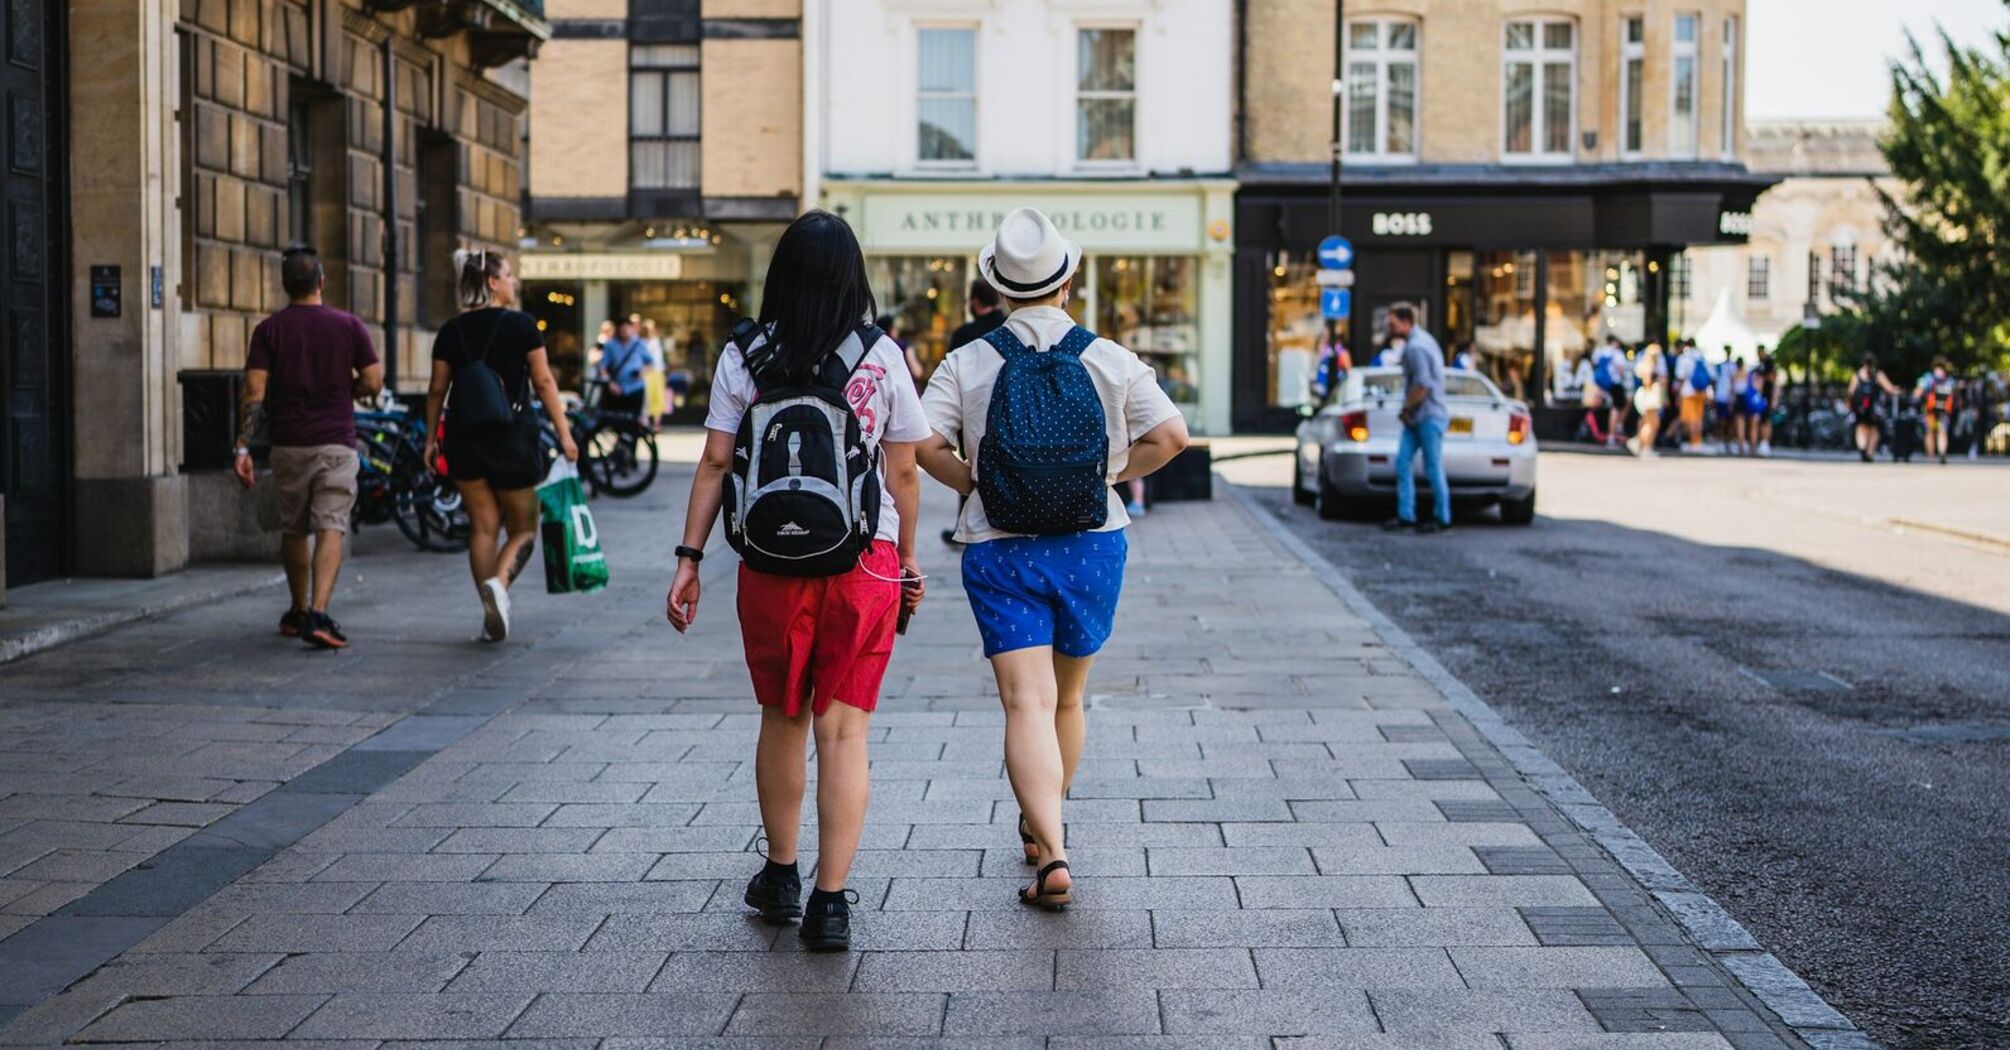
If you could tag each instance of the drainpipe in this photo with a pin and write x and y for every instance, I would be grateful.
(390, 161)
(1241, 82)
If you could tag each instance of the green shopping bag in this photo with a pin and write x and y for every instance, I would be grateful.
(573, 563)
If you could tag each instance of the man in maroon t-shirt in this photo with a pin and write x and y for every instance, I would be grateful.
(308, 364)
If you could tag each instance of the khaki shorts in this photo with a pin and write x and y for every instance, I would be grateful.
(317, 487)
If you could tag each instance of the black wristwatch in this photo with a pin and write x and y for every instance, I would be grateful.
(692, 553)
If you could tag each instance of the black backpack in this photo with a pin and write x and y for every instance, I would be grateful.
(805, 486)
(1042, 465)
(1864, 401)
(479, 398)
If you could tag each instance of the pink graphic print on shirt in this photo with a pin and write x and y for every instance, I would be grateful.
(858, 394)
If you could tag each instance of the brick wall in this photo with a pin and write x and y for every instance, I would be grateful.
(1288, 86)
(579, 119)
(753, 99)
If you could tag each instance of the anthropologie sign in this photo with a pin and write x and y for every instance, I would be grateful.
(962, 222)
(600, 266)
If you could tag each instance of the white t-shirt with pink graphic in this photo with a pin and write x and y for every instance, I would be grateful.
(880, 394)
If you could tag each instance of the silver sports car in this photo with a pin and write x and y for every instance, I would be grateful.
(1345, 464)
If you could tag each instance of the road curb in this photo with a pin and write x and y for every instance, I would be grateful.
(49, 636)
(1713, 929)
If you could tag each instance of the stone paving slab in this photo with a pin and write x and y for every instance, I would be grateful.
(1284, 838)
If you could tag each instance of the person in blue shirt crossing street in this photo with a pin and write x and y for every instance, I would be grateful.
(1424, 422)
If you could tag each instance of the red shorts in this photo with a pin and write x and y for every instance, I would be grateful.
(821, 639)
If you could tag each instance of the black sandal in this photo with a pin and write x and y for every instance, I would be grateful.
(1037, 894)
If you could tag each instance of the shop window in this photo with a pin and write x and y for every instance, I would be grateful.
(692, 319)
(1106, 95)
(1539, 84)
(1729, 78)
(1682, 81)
(946, 106)
(1381, 110)
(1297, 328)
(1681, 277)
(1504, 318)
(925, 295)
(1759, 278)
(663, 117)
(1151, 304)
(1632, 79)
(1591, 295)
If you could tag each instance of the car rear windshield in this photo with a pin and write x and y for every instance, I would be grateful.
(1390, 384)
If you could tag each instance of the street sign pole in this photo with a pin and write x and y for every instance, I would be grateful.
(1339, 84)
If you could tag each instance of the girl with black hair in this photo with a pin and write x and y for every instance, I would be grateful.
(496, 467)
(816, 647)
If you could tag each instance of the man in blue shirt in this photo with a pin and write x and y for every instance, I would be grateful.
(1424, 421)
(622, 361)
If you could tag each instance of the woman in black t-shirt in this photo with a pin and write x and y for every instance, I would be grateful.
(496, 467)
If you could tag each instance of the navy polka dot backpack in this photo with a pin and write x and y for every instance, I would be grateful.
(1042, 465)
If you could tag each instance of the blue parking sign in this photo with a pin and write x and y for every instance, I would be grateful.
(1336, 303)
(1336, 253)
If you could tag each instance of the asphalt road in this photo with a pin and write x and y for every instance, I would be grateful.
(1856, 821)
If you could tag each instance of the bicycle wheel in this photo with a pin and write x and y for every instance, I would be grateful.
(622, 457)
(427, 508)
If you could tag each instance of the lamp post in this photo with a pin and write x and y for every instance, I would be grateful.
(1811, 323)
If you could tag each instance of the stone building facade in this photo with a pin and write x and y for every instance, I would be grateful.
(1529, 172)
(666, 157)
(1819, 230)
(201, 137)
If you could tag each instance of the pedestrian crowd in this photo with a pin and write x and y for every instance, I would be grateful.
(817, 432)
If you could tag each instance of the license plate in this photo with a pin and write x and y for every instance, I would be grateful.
(1460, 425)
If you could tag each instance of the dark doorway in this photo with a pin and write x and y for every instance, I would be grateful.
(34, 402)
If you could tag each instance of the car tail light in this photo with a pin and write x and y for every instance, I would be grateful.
(1355, 424)
(1518, 428)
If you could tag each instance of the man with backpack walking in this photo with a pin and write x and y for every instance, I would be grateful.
(1696, 380)
(1608, 371)
(307, 365)
(624, 364)
(1048, 415)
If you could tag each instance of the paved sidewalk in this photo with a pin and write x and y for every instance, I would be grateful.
(1284, 835)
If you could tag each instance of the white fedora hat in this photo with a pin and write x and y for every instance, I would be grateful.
(1029, 258)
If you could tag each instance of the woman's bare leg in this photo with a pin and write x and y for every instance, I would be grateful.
(842, 792)
(519, 514)
(485, 522)
(1071, 676)
(778, 780)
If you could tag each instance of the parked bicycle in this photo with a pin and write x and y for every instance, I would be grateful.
(394, 483)
(617, 450)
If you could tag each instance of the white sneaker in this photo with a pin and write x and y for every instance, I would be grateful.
(495, 609)
(1765, 449)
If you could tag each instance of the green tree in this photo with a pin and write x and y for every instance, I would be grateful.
(1948, 292)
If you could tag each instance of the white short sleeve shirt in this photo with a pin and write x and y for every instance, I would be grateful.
(958, 399)
(880, 394)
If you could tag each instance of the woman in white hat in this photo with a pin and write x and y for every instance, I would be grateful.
(1044, 591)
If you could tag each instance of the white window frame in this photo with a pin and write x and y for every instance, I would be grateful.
(1631, 51)
(1076, 95)
(1540, 58)
(1678, 50)
(1382, 57)
(1729, 146)
(976, 161)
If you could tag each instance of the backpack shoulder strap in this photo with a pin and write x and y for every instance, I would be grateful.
(1007, 344)
(849, 354)
(1077, 340)
(744, 332)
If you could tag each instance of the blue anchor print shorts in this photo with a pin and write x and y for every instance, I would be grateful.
(1061, 591)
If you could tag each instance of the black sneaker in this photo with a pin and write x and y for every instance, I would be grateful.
(293, 623)
(322, 632)
(827, 922)
(776, 892)
(1397, 525)
(1425, 528)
